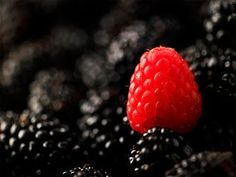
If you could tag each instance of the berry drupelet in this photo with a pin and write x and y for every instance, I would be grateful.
(163, 93)
(112, 22)
(221, 23)
(35, 145)
(90, 69)
(133, 40)
(17, 71)
(108, 136)
(96, 99)
(19, 66)
(215, 72)
(198, 56)
(85, 171)
(69, 40)
(54, 91)
(215, 136)
(114, 66)
(20, 63)
(205, 164)
(157, 151)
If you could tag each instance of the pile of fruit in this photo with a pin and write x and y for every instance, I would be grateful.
(111, 88)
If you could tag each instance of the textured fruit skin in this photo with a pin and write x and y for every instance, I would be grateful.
(35, 145)
(55, 91)
(215, 71)
(112, 66)
(214, 68)
(156, 151)
(135, 38)
(163, 93)
(22, 63)
(85, 171)
(204, 164)
(220, 23)
(107, 136)
(215, 136)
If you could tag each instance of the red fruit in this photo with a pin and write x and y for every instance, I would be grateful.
(163, 93)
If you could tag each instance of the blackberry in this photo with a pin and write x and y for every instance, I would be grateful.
(85, 171)
(124, 50)
(205, 164)
(215, 136)
(30, 20)
(186, 12)
(19, 63)
(54, 50)
(22, 63)
(108, 136)
(90, 68)
(156, 151)
(197, 56)
(35, 145)
(64, 44)
(113, 67)
(67, 38)
(95, 99)
(215, 72)
(221, 23)
(17, 71)
(54, 91)
(112, 22)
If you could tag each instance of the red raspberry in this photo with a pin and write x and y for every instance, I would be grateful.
(163, 93)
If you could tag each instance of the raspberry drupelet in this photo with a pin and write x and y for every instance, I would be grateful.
(163, 93)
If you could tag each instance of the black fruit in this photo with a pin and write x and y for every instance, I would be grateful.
(157, 151)
(124, 51)
(205, 164)
(55, 91)
(85, 171)
(19, 66)
(215, 136)
(221, 23)
(215, 72)
(35, 145)
(108, 136)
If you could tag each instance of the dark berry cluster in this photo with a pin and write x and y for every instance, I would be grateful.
(36, 141)
(108, 136)
(65, 67)
(205, 164)
(221, 22)
(156, 151)
(55, 91)
(85, 171)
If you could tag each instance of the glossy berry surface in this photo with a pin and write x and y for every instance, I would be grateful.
(72, 103)
(163, 93)
(85, 171)
(107, 136)
(220, 23)
(54, 91)
(215, 136)
(214, 68)
(204, 164)
(41, 142)
(215, 71)
(156, 151)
